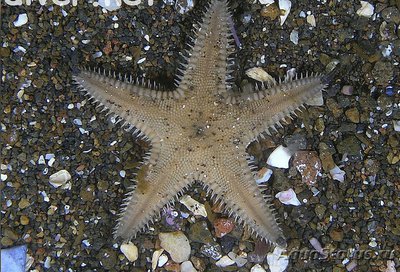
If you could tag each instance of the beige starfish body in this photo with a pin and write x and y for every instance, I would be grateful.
(200, 131)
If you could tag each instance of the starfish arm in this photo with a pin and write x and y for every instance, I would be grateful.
(268, 107)
(233, 183)
(156, 186)
(143, 108)
(207, 68)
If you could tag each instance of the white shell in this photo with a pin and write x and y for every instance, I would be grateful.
(337, 173)
(284, 6)
(224, 261)
(193, 205)
(280, 157)
(155, 258)
(60, 178)
(366, 10)
(390, 266)
(259, 74)
(288, 197)
(21, 20)
(130, 251)
(276, 261)
(396, 125)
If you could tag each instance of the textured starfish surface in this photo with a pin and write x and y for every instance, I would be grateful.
(200, 131)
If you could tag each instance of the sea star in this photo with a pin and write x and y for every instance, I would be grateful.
(200, 131)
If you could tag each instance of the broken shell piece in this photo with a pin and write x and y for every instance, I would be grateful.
(396, 125)
(284, 6)
(280, 157)
(288, 197)
(259, 74)
(193, 205)
(224, 261)
(60, 178)
(266, 2)
(317, 246)
(130, 251)
(276, 261)
(162, 260)
(155, 258)
(263, 175)
(366, 10)
(337, 173)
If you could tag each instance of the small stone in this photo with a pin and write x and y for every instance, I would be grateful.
(224, 261)
(308, 165)
(24, 220)
(391, 15)
(223, 226)
(257, 268)
(200, 233)
(212, 251)
(353, 115)
(23, 203)
(156, 258)
(176, 244)
(193, 205)
(350, 145)
(21, 20)
(347, 90)
(130, 251)
(162, 260)
(187, 266)
(320, 211)
(336, 235)
(271, 12)
(366, 10)
(60, 178)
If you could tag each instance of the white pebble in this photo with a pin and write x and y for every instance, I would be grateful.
(41, 160)
(176, 244)
(396, 125)
(266, 2)
(21, 20)
(257, 268)
(311, 20)
(187, 266)
(4, 177)
(294, 37)
(130, 251)
(366, 10)
(59, 178)
(280, 157)
(51, 162)
(224, 261)
(163, 259)
(122, 173)
(288, 197)
(193, 205)
(110, 5)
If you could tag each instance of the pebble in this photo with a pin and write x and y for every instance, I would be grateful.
(391, 15)
(187, 266)
(130, 251)
(276, 261)
(347, 90)
(223, 226)
(176, 244)
(21, 20)
(366, 10)
(225, 261)
(353, 115)
(108, 258)
(308, 165)
(24, 220)
(336, 234)
(23, 203)
(257, 268)
(200, 233)
(211, 250)
(60, 178)
(162, 260)
(156, 257)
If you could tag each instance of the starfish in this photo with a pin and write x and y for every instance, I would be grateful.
(200, 131)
